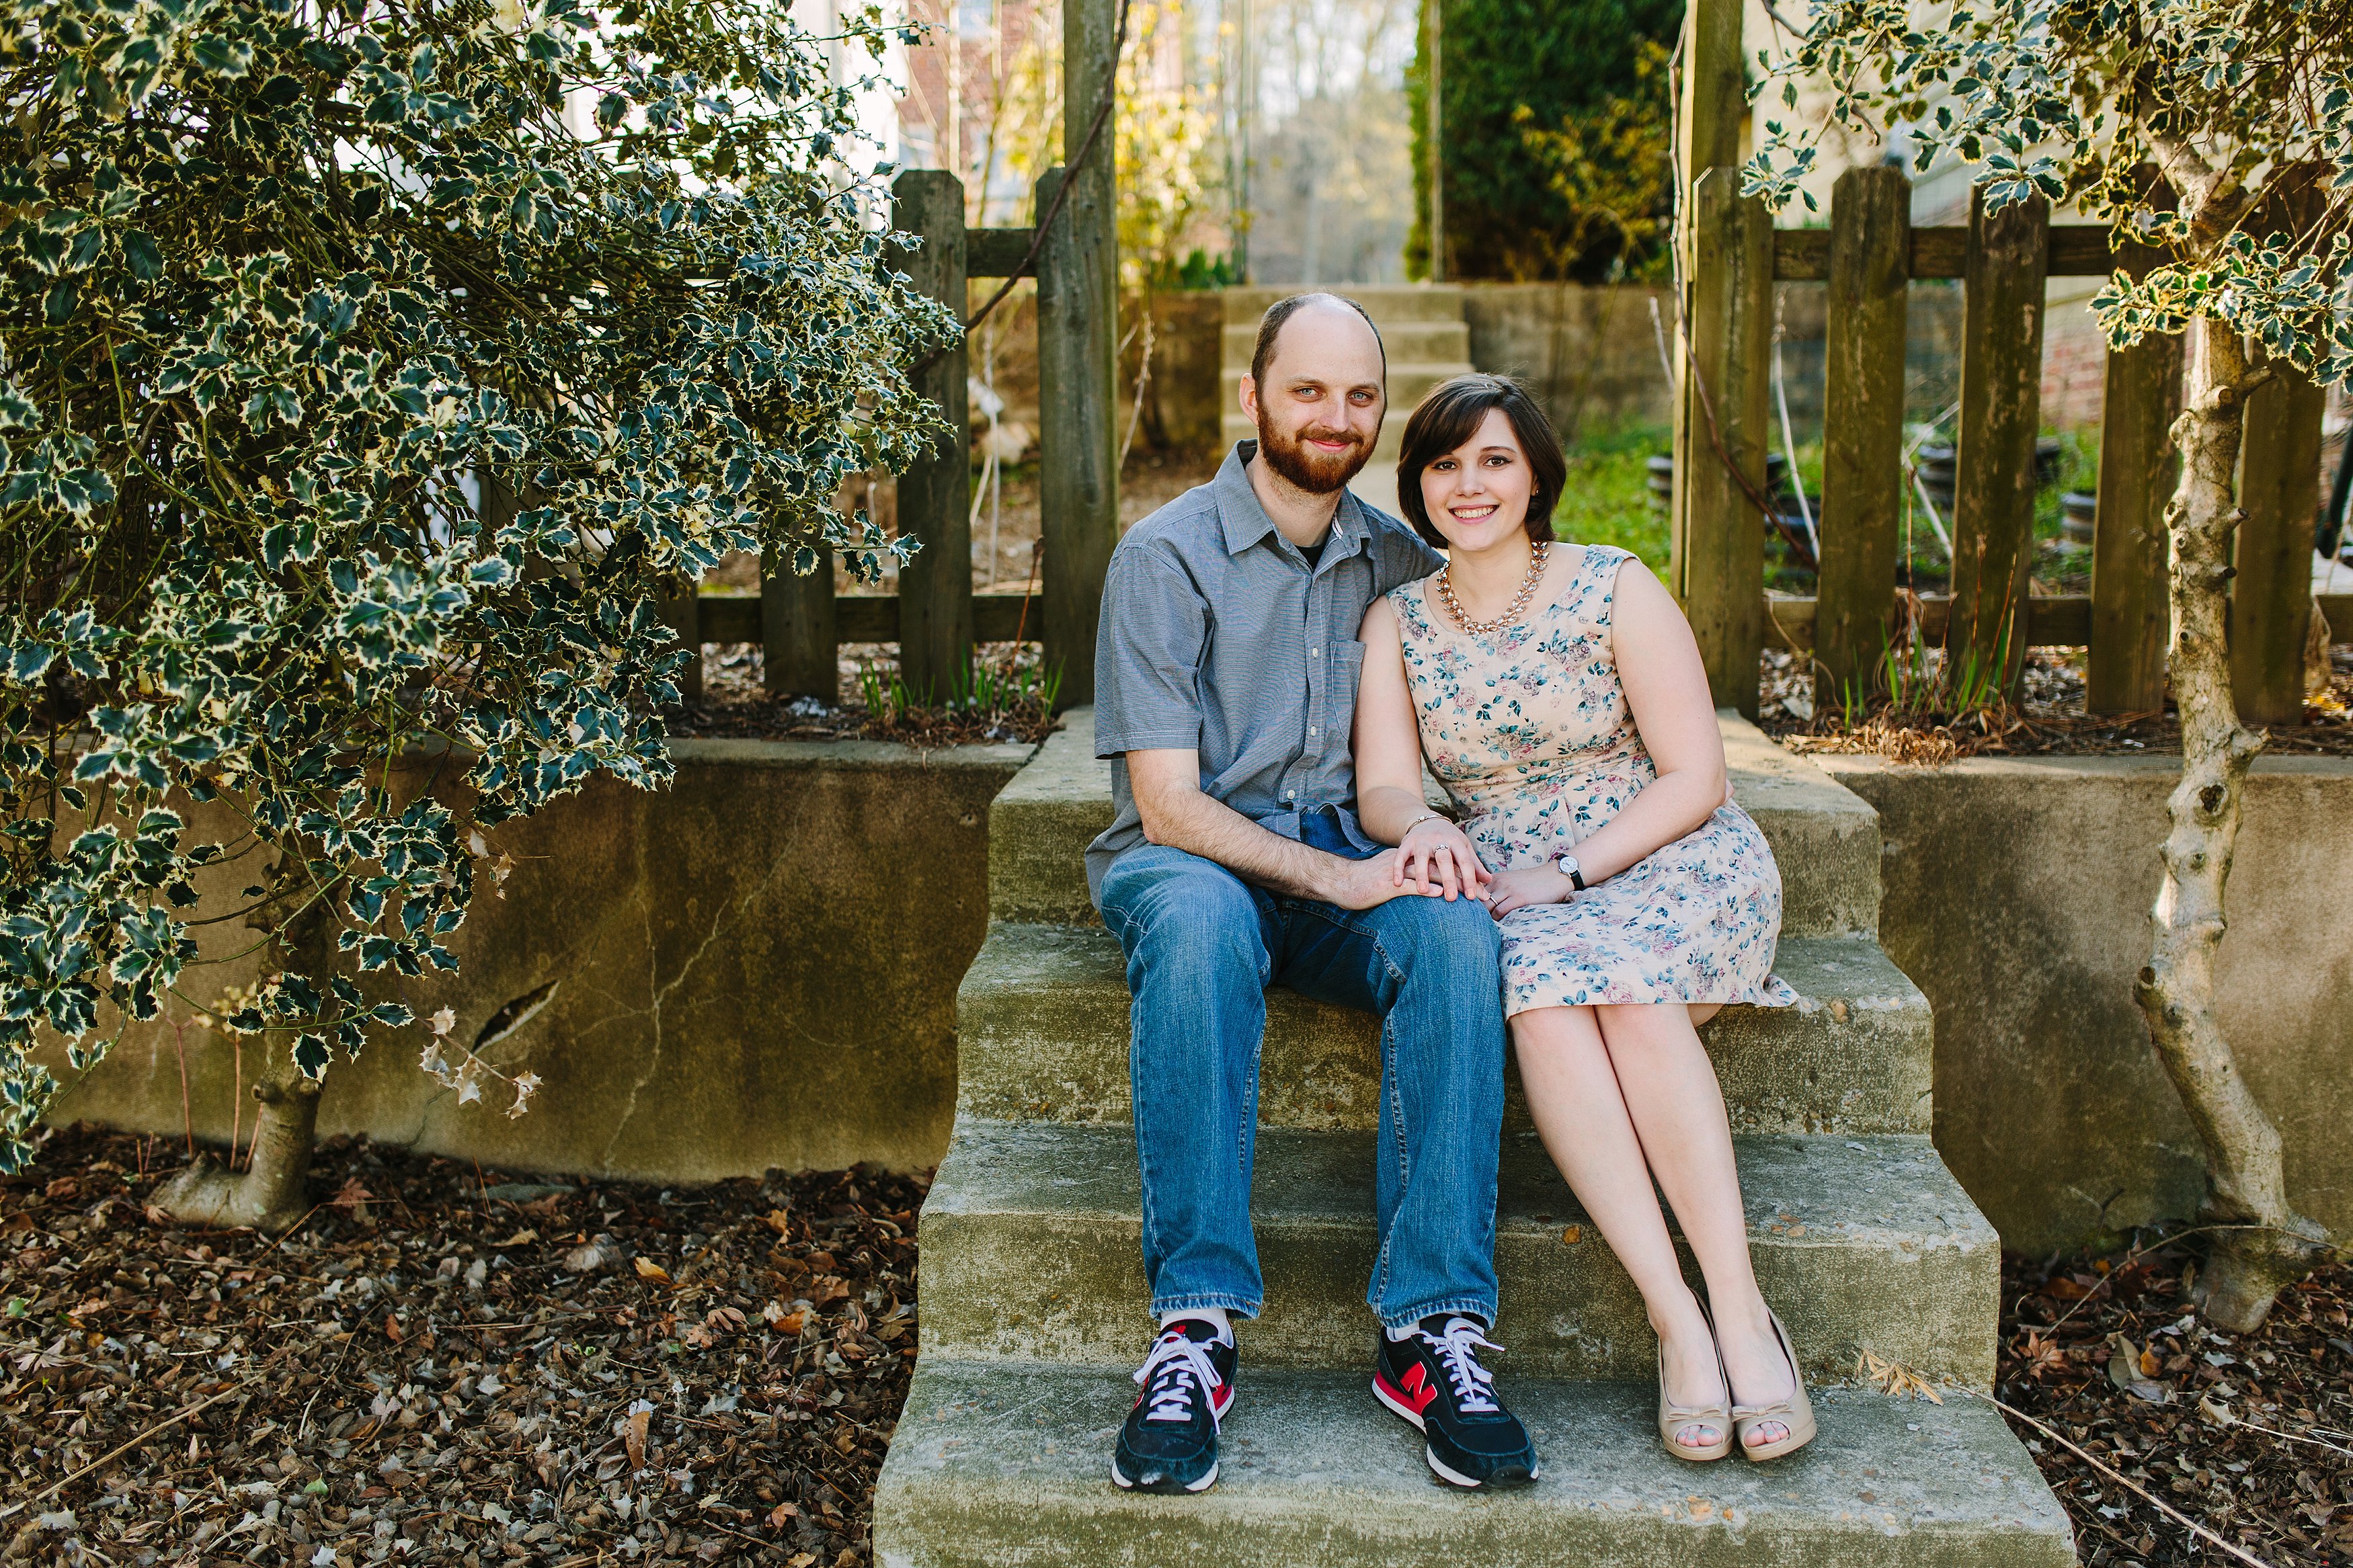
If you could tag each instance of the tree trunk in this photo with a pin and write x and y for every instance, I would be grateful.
(271, 1193)
(2264, 1243)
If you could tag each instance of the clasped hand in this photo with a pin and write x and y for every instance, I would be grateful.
(1435, 859)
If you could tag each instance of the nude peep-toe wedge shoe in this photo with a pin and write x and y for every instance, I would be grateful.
(1673, 1417)
(1796, 1413)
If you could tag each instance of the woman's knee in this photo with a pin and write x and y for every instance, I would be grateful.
(1645, 1027)
(1548, 1034)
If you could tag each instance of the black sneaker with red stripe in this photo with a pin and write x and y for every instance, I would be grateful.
(1169, 1441)
(1433, 1378)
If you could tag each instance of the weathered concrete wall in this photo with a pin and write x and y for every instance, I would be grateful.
(1183, 399)
(2017, 893)
(1588, 353)
(756, 969)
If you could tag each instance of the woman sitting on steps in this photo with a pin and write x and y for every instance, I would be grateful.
(1557, 693)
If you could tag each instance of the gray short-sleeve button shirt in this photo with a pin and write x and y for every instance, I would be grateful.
(1217, 634)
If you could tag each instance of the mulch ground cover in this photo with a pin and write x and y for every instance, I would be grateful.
(452, 1366)
(445, 1365)
(2252, 1435)
(2048, 720)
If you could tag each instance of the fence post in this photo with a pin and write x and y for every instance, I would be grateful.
(1863, 426)
(1078, 439)
(2270, 589)
(799, 647)
(2001, 413)
(1718, 536)
(1714, 102)
(2125, 665)
(680, 607)
(936, 493)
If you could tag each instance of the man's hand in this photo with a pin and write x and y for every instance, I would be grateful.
(1437, 856)
(1363, 884)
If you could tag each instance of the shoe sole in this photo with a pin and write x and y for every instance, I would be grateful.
(1438, 1468)
(1163, 1489)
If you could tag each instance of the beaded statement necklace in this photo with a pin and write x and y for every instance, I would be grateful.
(1511, 611)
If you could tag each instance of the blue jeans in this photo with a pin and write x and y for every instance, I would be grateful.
(1202, 946)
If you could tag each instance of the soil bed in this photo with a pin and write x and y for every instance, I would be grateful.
(2049, 720)
(434, 1369)
(451, 1366)
(2250, 1435)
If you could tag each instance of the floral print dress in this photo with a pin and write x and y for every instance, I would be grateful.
(1529, 731)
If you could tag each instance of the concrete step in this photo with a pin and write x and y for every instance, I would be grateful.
(1824, 835)
(1042, 1035)
(1406, 342)
(1388, 304)
(995, 1464)
(1031, 1239)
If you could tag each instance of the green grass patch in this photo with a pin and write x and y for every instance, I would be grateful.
(1607, 499)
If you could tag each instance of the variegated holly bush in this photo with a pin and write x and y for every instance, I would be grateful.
(371, 370)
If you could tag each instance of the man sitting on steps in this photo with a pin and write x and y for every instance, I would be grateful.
(1226, 685)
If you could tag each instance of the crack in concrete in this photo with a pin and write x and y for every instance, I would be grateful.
(660, 993)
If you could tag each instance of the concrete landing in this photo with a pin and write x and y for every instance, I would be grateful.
(1032, 1240)
(1009, 1464)
(1825, 838)
(1042, 1032)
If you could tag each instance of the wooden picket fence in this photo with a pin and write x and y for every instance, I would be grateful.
(1732, 257)
(799, 622)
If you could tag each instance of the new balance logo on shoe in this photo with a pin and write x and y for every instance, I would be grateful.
(1433, 1379)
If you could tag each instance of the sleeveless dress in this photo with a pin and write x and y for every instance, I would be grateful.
(1528, 731)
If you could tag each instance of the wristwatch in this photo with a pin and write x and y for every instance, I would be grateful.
(1569, 868)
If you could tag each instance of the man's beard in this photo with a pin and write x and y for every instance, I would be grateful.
(1317, 473)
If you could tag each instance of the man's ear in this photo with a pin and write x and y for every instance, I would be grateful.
(1248, 396)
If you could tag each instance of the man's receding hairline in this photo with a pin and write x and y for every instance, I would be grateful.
(1283, 312)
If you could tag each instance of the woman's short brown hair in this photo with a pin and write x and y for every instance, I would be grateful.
(1451, 415)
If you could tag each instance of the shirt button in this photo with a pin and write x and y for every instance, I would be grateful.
(1286, 794)
(1312, 730)
(1315, 653)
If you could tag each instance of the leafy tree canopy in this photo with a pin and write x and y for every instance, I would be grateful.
(367, 371)
(1557, 136)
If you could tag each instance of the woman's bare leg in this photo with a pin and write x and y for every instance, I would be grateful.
(1677, 1110)
(1582, 1114)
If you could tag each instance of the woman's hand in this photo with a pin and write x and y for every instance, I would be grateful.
(1436, 856)
(1545, 884)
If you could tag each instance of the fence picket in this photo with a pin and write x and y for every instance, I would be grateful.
(936, 493)
(799, 636)
(2001, 415)
(1078, 439)
(2138, 466)
(2270, 591)
(1862, 425)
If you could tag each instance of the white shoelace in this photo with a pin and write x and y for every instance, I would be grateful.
(1178, 1365)
(1457, 1347)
